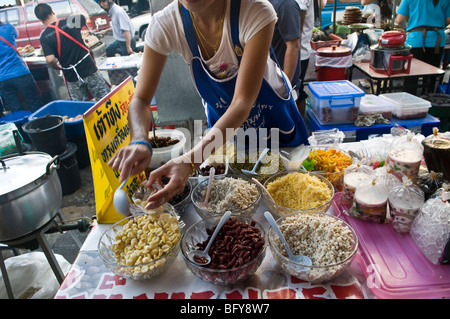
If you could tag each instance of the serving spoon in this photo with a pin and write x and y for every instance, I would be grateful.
(300, 259)
(120, 200)
(204, 204)
(202, 257)
(263, 189)
(253, 171)
(153, 128)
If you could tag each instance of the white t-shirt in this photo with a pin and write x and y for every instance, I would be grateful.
(166, 34)
(308, 25)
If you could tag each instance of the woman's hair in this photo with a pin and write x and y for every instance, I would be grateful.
(385, 9)
(43, 11)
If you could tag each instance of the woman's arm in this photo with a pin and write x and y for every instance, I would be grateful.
(248, 84)
(401, 20)
(139, 117)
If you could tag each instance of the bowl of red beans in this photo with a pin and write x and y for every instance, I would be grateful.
(236, 253)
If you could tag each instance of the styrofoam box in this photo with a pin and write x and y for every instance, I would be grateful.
(407, 106)
(374, 104)
(335, 102)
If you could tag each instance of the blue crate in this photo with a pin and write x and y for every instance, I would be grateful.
(69, 108)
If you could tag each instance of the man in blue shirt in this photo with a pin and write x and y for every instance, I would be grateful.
(122, 29)
(16, 81)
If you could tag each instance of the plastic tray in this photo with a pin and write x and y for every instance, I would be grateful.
(335, 102)
(407, 106)
(394, 265)
(69, 108)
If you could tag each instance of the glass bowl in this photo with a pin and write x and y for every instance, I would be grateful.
(315, 273)
(327, 169)
(145, 269)
(197, 233)
(198, 197)
(280, 210)
(272, 163)
(179, 202)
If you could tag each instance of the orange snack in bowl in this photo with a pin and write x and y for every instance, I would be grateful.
(329, 160)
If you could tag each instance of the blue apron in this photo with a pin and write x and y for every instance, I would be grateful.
(270, 111)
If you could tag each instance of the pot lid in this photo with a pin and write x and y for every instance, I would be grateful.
(21, 170)
(334, 51)
(393, 38)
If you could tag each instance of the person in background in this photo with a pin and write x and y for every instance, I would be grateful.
(425, 22)
(16, 80)
(122, 30)
(286, 40)
(386, 7)
(226, 43)
(307, 27)
(64, 49)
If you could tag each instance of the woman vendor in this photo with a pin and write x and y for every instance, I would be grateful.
(226, 44)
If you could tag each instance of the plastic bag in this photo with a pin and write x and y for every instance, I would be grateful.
(385, 176)
(404, 157)
(431, 228)
(332, 137)
(362, 54)
(429, 183)
(31, 276)
(340, 62)
(405, 201)
(353, 176)
(370, 201)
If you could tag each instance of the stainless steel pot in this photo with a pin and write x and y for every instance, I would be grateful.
(380, 55)
(30, 193)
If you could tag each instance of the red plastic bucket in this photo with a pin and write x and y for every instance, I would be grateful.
(326, 73)
(333, 56)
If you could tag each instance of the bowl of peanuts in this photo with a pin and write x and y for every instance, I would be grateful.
(236, 253)
(328, 241)
(143, 245)
(329, 162)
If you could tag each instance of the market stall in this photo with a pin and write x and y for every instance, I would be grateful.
(386, 265)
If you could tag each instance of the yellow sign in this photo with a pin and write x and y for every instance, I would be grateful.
(107, 130)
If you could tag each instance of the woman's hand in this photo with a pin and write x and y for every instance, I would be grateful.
(178, 170)
(135, 155)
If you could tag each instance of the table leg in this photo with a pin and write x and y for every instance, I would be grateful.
(50, 257)
(5, 277)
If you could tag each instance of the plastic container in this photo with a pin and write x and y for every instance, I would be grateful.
(335, 102)
(332, 63)
(47, 134)
(18, 118)
(162, 155)
(393, 265)
(407, 106)
(374, 104)
(7, 142)
(66, 108)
